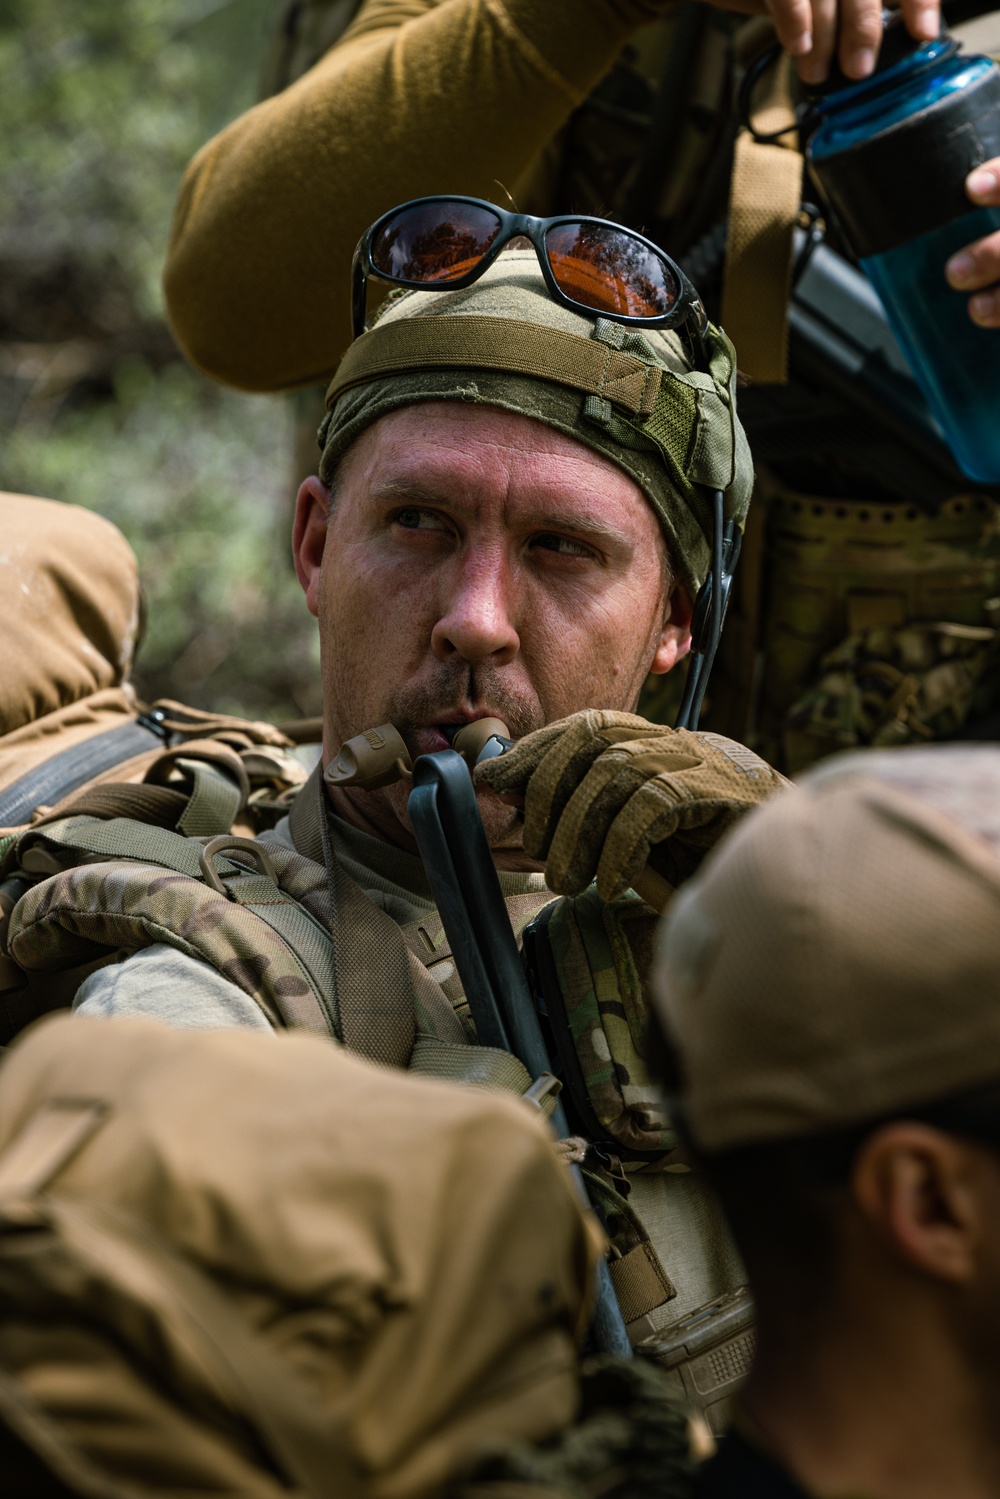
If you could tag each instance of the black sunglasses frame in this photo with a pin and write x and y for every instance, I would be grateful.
(686, 315)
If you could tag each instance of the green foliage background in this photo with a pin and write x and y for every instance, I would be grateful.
(102, 105)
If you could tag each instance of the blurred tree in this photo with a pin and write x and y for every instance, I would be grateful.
(103, 104)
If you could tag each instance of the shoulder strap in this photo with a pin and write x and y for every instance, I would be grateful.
(299, 936)
(384, 992)
(62, 774)
(764, 203)
(190, 771)
(112, 893)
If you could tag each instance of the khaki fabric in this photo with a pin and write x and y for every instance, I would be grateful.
(410, 1254)
(421, 96)
(839, 958)
(37, 740)
(70, 590)
(764, 202)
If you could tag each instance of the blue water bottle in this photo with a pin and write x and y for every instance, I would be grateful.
(890, 156)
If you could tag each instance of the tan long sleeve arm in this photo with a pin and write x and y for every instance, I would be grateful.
(420, 96)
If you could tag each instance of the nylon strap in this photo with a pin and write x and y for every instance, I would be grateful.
(506, 344)
(303, 935)
(121, 838)
(62, 774)
(474, 1066)
(215, 800)
(764, 202)
(640, 1282)
(383, 990)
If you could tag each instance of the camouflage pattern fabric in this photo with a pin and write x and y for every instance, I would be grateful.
(887, 687)
(144, 885)
(427, 939)
(641, 1284)
(272, 942)
(878, 622)
(607, 1016)
(630, 1437)
(130, 903)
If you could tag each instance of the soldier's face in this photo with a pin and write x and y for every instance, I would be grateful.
(471, 563)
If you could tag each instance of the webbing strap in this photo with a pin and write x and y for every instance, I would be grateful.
(764, 202)
(121, 838)
(215, 800)
(307, 939)
(640, 1282)
(303, 934)
(374, 994)
(63, 773)
(506, 344)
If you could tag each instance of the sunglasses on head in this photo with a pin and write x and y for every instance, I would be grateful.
(589, 265)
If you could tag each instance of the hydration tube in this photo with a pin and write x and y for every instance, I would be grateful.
(460, 871)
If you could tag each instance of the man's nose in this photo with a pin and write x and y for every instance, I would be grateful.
(476, 620)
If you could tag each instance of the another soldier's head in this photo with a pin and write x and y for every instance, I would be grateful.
(829, 985)
(512, 514)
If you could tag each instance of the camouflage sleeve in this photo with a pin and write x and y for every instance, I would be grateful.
(419, 97)
(166, 985)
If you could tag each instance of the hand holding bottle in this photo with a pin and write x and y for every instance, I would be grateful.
(976, 268)
(812, 31)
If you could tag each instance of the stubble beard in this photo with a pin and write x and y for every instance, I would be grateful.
(481, 689)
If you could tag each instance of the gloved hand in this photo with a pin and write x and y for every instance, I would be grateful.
(605, 792)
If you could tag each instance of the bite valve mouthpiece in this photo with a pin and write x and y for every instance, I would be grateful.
(482, 739)
(378, 757)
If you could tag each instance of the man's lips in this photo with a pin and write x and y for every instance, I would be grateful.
(439, 735)
(429, 739)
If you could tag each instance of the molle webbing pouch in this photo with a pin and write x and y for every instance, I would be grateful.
(879, 625)
(586, 956)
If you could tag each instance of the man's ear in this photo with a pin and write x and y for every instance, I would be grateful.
(675, 637)
(921, 1192)
(312, 512)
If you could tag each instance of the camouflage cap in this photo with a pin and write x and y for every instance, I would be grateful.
(630, 396)
(837, 960)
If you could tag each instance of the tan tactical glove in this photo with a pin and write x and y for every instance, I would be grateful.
(605, 792)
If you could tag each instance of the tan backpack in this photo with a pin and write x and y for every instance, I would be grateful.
(233, 1264)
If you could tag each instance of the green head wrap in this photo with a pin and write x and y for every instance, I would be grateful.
(629, 396)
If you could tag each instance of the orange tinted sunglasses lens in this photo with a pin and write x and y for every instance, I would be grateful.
(437, 242)
(610, 271)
